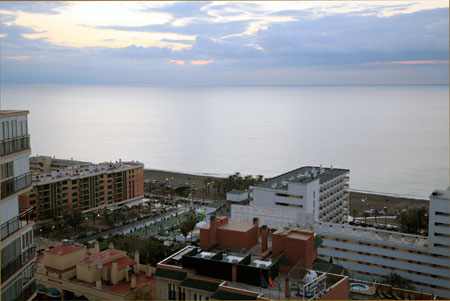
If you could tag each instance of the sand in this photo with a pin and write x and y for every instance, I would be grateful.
(373, 200)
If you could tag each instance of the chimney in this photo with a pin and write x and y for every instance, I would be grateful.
(287, 293)
(59, 251)
(148, 271)
(114, 272)
(212, 230)
(111, 245)
(136, 265)
(255, 221)
(98, 284)
(127, 274)
(264, 236)
(97, 246)
(133, 281)
(233, 273)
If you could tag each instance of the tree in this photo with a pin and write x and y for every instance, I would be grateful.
(185, 229)
(397, 281)
(413, 220)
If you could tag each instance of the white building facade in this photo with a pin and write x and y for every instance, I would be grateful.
(370, 253)
(314, 191)
(17, 245)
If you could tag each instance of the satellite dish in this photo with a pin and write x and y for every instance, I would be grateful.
(100, 266)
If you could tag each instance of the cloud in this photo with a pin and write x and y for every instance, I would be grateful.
(17, 58)
(201, 62)
(178, 62)
(429, 62)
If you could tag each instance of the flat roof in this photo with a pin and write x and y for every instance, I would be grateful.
(235, 191)
(13, 112)
(294, 176)
(235, 226)
(64, 249)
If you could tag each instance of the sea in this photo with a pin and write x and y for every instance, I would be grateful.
(394, 139)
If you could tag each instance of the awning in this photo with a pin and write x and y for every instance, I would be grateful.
(53, 292)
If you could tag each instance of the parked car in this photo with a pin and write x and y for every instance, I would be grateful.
(118, 224)
(389, 227)
(89, 233)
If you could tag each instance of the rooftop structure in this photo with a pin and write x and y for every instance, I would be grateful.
(17, 243)
(46, 164)
(237, 196)
(274, 266)
(84, 187)
(73, 271)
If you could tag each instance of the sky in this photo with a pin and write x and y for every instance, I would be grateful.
(225, 43)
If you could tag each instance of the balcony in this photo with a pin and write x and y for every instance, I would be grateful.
(28, 292)
(13, 266)
(16, 184)
(16, 144)
(17, 223)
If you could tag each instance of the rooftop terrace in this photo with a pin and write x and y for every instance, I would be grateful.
(304, 175)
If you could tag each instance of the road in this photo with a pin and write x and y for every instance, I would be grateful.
(125, 229)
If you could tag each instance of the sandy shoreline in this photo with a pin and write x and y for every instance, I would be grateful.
(374, 199)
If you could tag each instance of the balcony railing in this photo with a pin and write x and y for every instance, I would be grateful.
(28, 292)
(15, 265)
(17, 223)
(15, 144)
(13, 185)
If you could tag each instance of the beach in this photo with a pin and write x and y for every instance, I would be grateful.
(373, 200)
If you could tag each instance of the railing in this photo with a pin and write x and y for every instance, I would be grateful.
(13, 185)
(15, 224)
(15, 144)
(27, 293)
(12, 267)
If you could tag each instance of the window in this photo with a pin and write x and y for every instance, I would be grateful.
(442, 213)
(181, 293)
(8, 170)
(288, 205)
(285, 195)
(172, 292)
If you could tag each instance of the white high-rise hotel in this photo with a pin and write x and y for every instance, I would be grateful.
(17, 246)
(317, 198)
(299, 198)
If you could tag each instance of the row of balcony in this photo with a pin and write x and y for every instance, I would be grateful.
(28, 292)
(15, 144)
(9, 269)
(17, 223)
(13, 185)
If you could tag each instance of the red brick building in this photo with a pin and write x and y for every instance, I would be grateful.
(84, 188)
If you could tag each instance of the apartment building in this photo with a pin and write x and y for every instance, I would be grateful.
(17, 246)
(369, 253)
(85, 188)
(70, 272)
(47, 164)
(299, 198)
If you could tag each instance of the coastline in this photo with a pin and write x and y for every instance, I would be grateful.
(375, 199)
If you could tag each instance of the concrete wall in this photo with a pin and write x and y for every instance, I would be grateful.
(62, 262)
(236, 239)
(295, 249)
(340, 291)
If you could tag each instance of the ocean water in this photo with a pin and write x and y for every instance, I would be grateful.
(394, 139)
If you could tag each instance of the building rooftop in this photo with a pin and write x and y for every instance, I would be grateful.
(441, 194)
(7, 113)
(360, 233)
(80, 172)
(304, 174)
(63, 250)
(102, 256)
(235, 226)
(235, 191)
(121, 263)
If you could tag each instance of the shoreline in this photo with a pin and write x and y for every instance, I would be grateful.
(394, 202)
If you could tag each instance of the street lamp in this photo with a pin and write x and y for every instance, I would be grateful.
(385, 215)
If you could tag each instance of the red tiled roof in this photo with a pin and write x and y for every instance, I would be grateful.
(121, 263)
(102, 256)
(65, 249)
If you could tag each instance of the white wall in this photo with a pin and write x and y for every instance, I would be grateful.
(10, 209)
